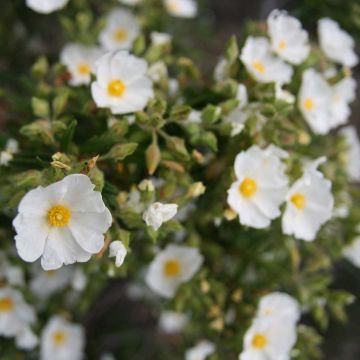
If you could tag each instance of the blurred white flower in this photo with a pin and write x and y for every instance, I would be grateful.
(120, 31)
(131, 2)
(79, 60)
(260, 187)
(26, 339)
(200, 351)
(121, 83)
(262, 64)
(46, 6)
(220, 71)
(171, 267)
(288, 39)
(314, 101)
(284, 95)
(79, 280)
(353, 154)
(336, 43)
(309, 204)
(160, 38)
(268, 339)
(11, 148)
(194, 117)
(61, 339)
(172, 322)
(181, 8)
(352, 252)
(117, 250)
(157, 213)
(61, 223)
(13, 275)
(157, 71)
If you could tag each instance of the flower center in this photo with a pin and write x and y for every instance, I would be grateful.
(120, 34)
(308, 104)
(248, 187)
(259, 67)
(6, 304)
(282, 44)
(50, 273)
(259, 341)
(59, 216)
(172, 268)
(116, 88)
(83, 69)
(59, 337)
(298, 200)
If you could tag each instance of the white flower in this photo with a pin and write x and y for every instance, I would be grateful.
(47, 283)
(352, 252)
(343, 93)
(121, 83)
(200, 351)
(159, 38)
(131, 2)
(61, 223)
(61, 340)
(260, 187)
(120, 31)
(79, 60)
(284, 95)
(288, 39)
(314, 101)
(117, 250)
(221, 69)
(13, 275)
(157, 71)
(353, 154)
(181, 8)
(171, 267)
(268, 340)
(336, 43)
(46, 6)
(172, 322)
(280, 306)
(309, 204)
(157, 213)
(11, 148)
(79, 280)
(16, 316)
(26, 339)
(262, 64)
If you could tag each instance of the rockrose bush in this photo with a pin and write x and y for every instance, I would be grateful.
(220, 200)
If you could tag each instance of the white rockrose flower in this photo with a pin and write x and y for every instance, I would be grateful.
(336, 43)
(131, 2)
(200, 351)
(172, 267)
(46, 283)
(352, 252)
(13, 275)
(117, 250)
(62, 223)
(46, 6)
(79, 60)
(310, 204)
(61, 339)
(268, 339)
(157, 213)
(160, 38)
(280, 306)
(16, 317)
(260, 187)
(288, 39)
(172, 322)
(120, 31)
(343, 93)
(284, 95)
(353, 154)
(314, 101)
(262, 64)
(26, 339)
(11, 148)
(121, 83)
(181, 8)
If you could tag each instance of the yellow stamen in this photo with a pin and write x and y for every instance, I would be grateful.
(282, 45)
(120, 34)
(172, 268)
(248, 187)
(59, 337)
(59, 216)
(259, 67)
(83, 69)
(259, 341)
(6, 304)
(298, 200)
(116, 88)
(308, 104)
